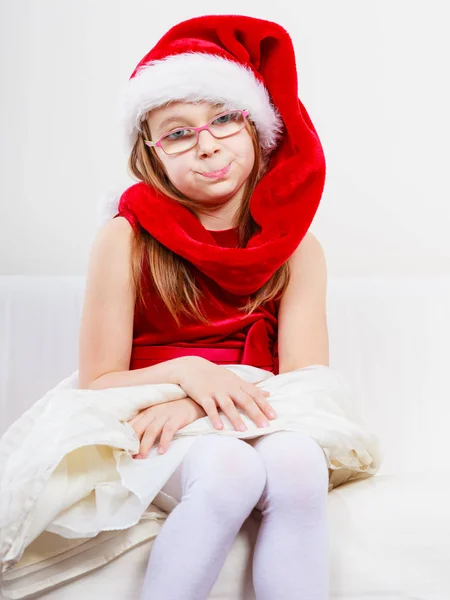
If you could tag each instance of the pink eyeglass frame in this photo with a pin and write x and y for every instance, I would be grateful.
(245, 114)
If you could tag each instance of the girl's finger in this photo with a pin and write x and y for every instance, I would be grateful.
(210, 408)
(149, 437)
(265, 407)
(141, 425)
(229, 409)
(168, 432)
(259, 396)
(248, 405)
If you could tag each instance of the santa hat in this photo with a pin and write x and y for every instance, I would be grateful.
(190, 64)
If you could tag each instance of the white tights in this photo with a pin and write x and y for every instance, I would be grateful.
(221, 479)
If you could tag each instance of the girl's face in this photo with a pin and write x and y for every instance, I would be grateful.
(186, 170)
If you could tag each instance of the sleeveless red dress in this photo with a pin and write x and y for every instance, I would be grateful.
(231, 338)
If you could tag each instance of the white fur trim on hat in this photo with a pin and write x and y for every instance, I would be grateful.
(194, 77)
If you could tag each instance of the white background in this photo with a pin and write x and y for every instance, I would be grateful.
(374, 77)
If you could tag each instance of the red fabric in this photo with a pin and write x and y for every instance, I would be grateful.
(230, 339)
(284, 201)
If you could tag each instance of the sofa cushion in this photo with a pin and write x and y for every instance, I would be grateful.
(389, 537)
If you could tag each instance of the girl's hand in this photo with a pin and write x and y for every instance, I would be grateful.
(163, 420)
(210, 385)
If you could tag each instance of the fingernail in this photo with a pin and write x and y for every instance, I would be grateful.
(243, 427)
(272, 413)
(265, 424)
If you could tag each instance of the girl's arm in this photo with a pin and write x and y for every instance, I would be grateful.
(164, 372)
(302, 320)
(106, 330)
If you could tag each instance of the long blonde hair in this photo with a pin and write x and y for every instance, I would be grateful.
(171, 273)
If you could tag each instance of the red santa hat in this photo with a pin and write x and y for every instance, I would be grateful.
(194, 70)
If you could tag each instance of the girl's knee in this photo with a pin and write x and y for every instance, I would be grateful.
(296, 470)
(229, 472)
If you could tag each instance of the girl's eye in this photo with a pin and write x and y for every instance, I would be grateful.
(173, 135)
(227, 116)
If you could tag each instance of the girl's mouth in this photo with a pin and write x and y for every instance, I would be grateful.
(216, 174)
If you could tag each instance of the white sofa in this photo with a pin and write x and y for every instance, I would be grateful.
(390, 534)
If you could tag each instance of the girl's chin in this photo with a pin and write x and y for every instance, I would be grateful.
(211, 200)
(218, 188)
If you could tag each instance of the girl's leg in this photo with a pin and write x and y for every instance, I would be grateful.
(218, 484)
(291, 552)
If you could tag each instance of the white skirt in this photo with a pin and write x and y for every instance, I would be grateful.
(66, 464)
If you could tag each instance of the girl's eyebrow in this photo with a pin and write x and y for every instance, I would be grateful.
(174, 118)
(181, 118)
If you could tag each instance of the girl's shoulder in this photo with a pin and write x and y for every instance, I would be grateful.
(127, 217)
(113, 239)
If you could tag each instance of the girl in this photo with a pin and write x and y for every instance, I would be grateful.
(208, 262)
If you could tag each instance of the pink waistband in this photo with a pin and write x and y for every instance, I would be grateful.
(160, 353)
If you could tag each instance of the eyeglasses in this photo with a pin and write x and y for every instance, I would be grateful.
(183, 139)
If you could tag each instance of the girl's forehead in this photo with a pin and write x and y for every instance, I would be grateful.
(187, 108)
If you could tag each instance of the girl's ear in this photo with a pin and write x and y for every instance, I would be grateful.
(108, 205)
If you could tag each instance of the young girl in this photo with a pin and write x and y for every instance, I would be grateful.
(209, 262)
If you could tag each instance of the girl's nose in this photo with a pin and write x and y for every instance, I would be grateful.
(207, 143)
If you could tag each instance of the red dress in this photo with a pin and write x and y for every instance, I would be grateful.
(231, 338)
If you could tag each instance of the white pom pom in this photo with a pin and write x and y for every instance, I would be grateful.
(108, 205)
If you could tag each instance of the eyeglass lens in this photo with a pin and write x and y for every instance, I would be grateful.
(184, 138)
